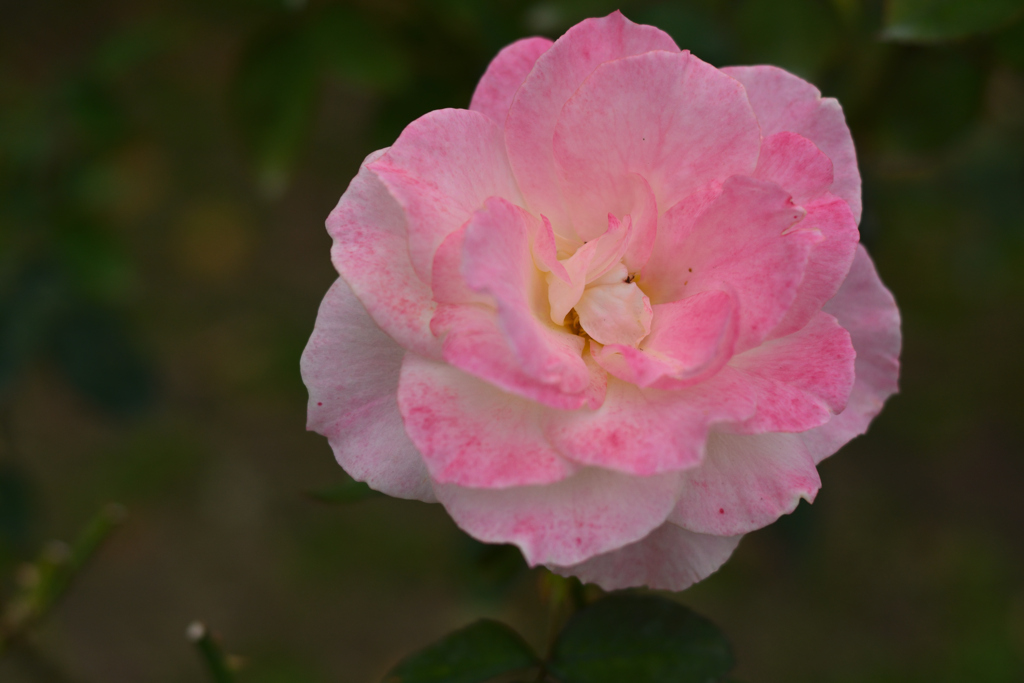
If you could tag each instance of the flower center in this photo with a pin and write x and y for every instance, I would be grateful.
(594, 295)
(613, 310)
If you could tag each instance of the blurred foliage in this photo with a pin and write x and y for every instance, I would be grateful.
(934, 20)
(646, 639)
(43, 582)
(165, 168)
(621, 637)
(477, 653)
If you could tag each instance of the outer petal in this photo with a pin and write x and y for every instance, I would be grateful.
(371, 251)
(646, 431)
(800, 379)
(784, 102)
(441, 169)
(868, 311)
(667, 116)
(555, 77)
(796, 164)
(745, 483)
(506, 72)
(739, 244)
(828, 263)
(473, 434)
(669, 558)
(590, 513)
(351, 370)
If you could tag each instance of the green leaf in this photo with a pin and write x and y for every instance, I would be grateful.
(641, 639)
(349, 492)
(474, 654)
(926, 21)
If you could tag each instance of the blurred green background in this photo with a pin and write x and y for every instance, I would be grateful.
(165, 171)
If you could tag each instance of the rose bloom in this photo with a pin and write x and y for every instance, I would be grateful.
(615, 313)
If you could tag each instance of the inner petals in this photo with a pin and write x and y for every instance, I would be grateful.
(613, 311)
(590, 262)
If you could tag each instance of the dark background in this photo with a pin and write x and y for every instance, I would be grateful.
(165, 171)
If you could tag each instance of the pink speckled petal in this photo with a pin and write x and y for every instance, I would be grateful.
(473, 434)
(506, 72)
(351, 369)
(475, 342)
(370, 251)
(447, 281)
(784, 102)
(796, 164)
(498, 262)
(669, 117)
(741, 243)
(647, 431)
(669, 558)
(690, 340)
(800, 379)
(555, 77)
(868, 311)
(828, 263)
(658, 278)
(746, 482)
(638, 202)
(590, 513)
(545, 252)
(441, 169)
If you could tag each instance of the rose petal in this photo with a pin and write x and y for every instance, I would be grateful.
(647, 431)
(784, 102)
(498, 262)
(588, 263)
(441, 169)
(868, 311)
(638, 202)
(658, 276)
(669, 558)
(590, 513)
(370, 251)
(351, 369)
(475, 342)
(738, 244)
(506, 72)
(690, 340)
(800, 379)
(554, 78)
(615, 313)
(667, 116)
(745, 483)
(473, 434)
(794, 163)
(828, 262)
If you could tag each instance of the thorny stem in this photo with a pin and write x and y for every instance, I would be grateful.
(564, 596)
(217, 663)
(45, 581)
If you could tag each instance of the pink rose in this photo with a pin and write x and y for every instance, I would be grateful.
(615, 313)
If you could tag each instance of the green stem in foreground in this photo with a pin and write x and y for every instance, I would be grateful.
(217, 662)
(45, 581)
(563, 596)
